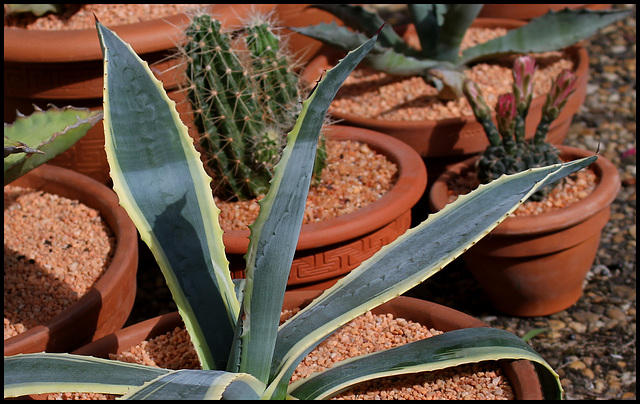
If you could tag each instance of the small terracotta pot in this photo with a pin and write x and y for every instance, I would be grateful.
(448, 141)
(106, 306)
(536, 265)
(330, 249)
(527, 12)
(65, 68)
(521, 373)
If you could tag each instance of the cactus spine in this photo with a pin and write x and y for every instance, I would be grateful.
(508, 151)
(245, 98)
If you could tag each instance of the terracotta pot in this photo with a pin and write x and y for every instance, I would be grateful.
(521, 373)
(106, 306)
(536, 265)
(448, 141)
(65, 68)
(329, 249)
(529, 11)
(300, 15)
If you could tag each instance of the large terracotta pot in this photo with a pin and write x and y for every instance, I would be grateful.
(536, 265)
(106, 306)
(448, 141)
(521, 373)
(529, 11)
(65, 68)
(329, 249)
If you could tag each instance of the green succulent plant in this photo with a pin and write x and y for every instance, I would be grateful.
(245, 97)
(441, 28)
(244, 352)
(33, 140)
(508, 152)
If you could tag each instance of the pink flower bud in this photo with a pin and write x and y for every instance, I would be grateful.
(475, 99)
(524, 68)
(506, 113)
(562, 87)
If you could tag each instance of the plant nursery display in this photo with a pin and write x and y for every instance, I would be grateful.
(441, 28)
(532, 265)
(56, 60)
(234, 326)
(244, 97)
(38, 273)
(414, 75)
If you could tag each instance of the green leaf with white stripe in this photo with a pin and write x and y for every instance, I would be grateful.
(442, 351)
(53, 372)
(408, 261)
(274, 235)
(192, 384)
(161, 183)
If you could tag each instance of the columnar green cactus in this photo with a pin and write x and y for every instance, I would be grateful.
(508, 152)
(245, 98)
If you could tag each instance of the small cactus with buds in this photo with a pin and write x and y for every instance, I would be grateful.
(508, 151)
(245, 97)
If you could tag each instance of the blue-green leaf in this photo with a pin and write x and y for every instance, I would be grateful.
(161, 183)
(549, 32)
(409, 260)
(453, 348)
(189, 384)
(53, 372)
(274, 235)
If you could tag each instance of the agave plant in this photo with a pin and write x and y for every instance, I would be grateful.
(33, 140)
(508, 152)
(441, 28)
(244, 353)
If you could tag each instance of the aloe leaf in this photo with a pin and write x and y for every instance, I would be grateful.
(45, 135)
(457, 20)
(381, 59)
(454, 348)
(549, 32)
(334, 35)
(409, 260)
(59, 372)
(189, 384)
(161, 183)
(427, 19)
(392, 62)
(369, 23)
(275, 233)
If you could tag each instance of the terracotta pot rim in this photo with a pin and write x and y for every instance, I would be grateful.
(83, 45)
(431, 314)
(406, 192)
(601, 197)
(530, 11)
(125, 259)
(577, 51)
